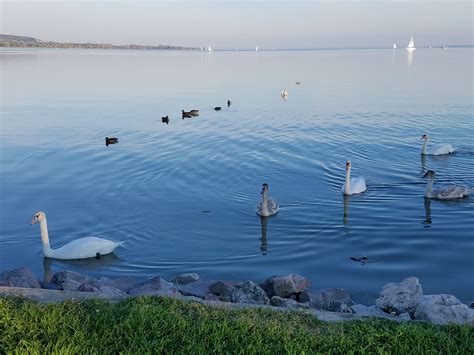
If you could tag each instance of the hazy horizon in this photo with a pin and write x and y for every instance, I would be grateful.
(243, 24)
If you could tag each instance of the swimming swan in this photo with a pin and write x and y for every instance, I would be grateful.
(354, 185)
(89, 247)
(439, 149)
(268, 206)
(446, 193)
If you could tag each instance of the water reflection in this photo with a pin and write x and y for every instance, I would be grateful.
(346, 199)
(80, 265)
(263, 240)
(427, 221)
(410, 58)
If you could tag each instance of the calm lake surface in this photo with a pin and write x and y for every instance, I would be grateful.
(183, 195)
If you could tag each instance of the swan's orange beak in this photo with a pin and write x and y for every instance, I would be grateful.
(33, 221)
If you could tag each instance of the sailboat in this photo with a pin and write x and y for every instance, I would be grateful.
(394, 46)
(209, 49)
(411, 45)
(256, 48)
(202, 49)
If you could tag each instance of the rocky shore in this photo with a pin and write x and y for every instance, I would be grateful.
(403, 301)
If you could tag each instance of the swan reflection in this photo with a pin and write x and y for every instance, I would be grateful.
(346, 199)
(427, 221)
(263, 240)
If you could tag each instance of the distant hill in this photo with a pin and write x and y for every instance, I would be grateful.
(24, 41)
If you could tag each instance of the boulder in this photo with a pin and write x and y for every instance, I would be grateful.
(198, 288)
(444, 309)
(112, 292)
(124, 284)
(185, 279)
(285, 286)
(401, 297)
(61, 277)
(249, 292)
(155, 286)
(373, 311)
(88, 288)
(301, 297)
(71, 285)
(49, 286)
(332, 300)
(283, 302)
(223, 289)
(22, 277)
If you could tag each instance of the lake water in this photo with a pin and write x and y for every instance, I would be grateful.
(183, 195)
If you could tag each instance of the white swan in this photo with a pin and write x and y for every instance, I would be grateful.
(439, 149)
(268, 206)
(89, 247)
(446, 193)
(354, 185)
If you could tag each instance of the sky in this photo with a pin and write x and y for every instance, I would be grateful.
(244, 24)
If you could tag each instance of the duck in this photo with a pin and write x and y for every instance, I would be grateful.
(439, 149)
(229, 103)
(354, 185)
(194, 112)
(284, 94)
(268, 206)
(450, 192)
(165, 119)
(217, 108)
(111, 140)
(185, 114)
(83, 248)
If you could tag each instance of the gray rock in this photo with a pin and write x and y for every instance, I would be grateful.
(71, 285)
(112, 292)
(212, 297)
(49, 286)
(61, 277)
(184, 279)
(223, 289)
(301, 297)
(249, 292)
(331, 299)
(155, 286)
(198, 288)
(22, 277)
(373, 311)
(285, 286)
(124, 284)
(283, 302)
(87, 288)
(444, 309)
(401, 297)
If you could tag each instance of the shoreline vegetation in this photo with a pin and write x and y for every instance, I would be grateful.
(12, 41)
(149, 324)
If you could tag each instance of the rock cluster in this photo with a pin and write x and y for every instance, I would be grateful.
(397, 301)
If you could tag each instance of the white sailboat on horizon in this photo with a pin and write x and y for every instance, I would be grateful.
(209, 49)
(256, 48)
(394, 45)
(411, 45)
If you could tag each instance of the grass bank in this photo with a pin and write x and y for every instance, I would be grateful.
(148, 324)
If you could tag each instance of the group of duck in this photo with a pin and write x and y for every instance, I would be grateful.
(269, 206)
(192, 113)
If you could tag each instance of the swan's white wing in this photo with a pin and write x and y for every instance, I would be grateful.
(85, 248)
(273, 205)
(358, 185)
(451, 192)
(441, 149)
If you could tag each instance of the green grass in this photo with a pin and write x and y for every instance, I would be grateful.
(151, 325)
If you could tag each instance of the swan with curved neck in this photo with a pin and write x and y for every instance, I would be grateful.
(446, 193)
(353, 185)
(268, 206)
(439, 149)
(89, 247)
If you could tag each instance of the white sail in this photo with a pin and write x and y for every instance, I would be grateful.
(202, 48)
(209, 49)
(411, 45)
(394, 46)
(256, 48)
